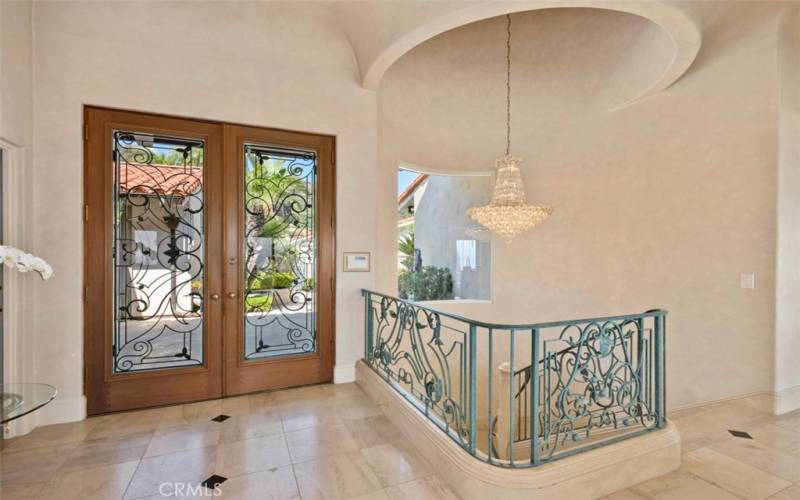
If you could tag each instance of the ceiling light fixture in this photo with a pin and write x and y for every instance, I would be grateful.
(509, 214)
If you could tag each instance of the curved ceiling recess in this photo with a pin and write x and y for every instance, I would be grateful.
(378, 49)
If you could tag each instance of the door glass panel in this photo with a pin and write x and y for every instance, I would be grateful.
(158, 252)
(279, 252)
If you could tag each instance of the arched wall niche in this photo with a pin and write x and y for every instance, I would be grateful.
(566, 64)
(382, 33)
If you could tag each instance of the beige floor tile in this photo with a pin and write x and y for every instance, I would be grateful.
(373, 495)
(252, 426)
(396, 463)
(185, 467)
(262, 401)
(107, 451)
(335, 477)
(129, 422)
(790, 493)
(191, 413)
(185, 437)
(34, 465)
(679, 485)
(428, 488)
(711, 426)
(304, 415)
(766, 432)
(761, 456)
(624, 495)
(51, 435)
(789, 421)
(354, 407)
(732, 475)
(235, 406)
(253, 455)
(274, 484)
(21, 491)
(316, 442)
(343, 390)
(310, 394)
(102, 483)
(372, 431)
(326, 426)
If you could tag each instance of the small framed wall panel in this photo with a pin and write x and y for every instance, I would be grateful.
(357, 262)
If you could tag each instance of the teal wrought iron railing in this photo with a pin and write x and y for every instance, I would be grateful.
(521, 395)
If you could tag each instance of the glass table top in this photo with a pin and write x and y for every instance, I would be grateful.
(20, 399)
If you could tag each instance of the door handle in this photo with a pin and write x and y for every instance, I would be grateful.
(214, 296)
(232, 261)
(231, 295)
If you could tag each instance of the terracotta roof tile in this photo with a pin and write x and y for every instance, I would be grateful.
(163, 180)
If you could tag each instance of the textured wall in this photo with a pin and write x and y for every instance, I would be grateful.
(269, 64)
(660, 204)
(787, 327)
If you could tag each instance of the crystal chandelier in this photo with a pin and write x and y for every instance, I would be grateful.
(509, 214)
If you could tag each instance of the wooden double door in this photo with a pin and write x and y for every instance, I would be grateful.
(209, 259)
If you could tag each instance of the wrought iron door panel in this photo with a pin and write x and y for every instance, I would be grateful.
(280, 252)
(158, 253)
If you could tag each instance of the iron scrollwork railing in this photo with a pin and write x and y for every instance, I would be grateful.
(413, 349)
(582, 383)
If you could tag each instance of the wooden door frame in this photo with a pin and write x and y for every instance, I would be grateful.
(285, 371)
(105, 390)
(97, 229)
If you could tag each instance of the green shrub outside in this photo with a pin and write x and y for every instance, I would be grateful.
(268, 281)
(258, 303)
(430, 283)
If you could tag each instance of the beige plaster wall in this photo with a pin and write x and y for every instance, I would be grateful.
(660, 204)
(274, 64)
(16, 90)
(16, 138)
(787, 328)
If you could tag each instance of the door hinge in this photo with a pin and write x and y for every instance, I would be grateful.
(332, 287)
(85, 131)
(86, 213)
(333, 157)
(85, 293)
(333, 221)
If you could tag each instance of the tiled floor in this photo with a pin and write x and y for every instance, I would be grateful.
(717, 465)
(332, 442)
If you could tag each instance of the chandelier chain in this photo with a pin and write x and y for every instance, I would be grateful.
(508, 84)
(508, 214)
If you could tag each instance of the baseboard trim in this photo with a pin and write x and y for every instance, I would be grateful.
(775, 402)
(786, 400)
(60, 411)
(343, 374)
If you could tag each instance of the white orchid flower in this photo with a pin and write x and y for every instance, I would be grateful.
(15, 258)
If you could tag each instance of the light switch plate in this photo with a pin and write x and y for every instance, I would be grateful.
(747, 281)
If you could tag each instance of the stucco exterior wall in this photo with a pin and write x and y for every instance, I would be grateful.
(440, 220)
